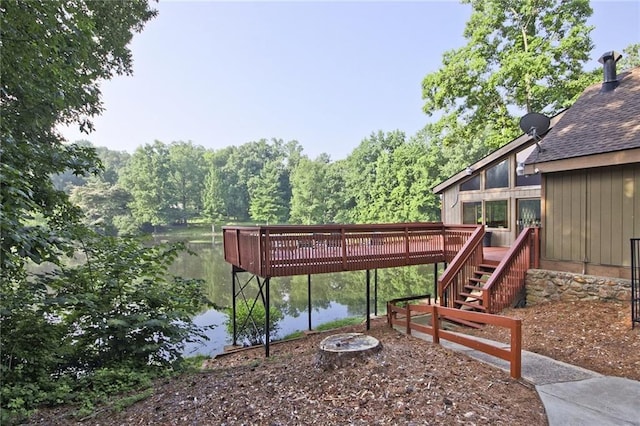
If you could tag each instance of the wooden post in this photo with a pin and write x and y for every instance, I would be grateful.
(435, 324)
(516, 349)
(406, 245)
(344, 249)
(375, 292)
(266, 256)
(435, 280)
(267, 318)
(536, 249)
(389, 314)
(368, 300)
(408, 317)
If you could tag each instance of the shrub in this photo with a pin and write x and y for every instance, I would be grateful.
(251, 323)
(103, 326)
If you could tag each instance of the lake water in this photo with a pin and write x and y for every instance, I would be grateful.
(333, 296)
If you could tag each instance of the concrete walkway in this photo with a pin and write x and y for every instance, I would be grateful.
(571, 395)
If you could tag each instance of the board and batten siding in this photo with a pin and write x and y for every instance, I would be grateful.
(451, 206)
(590, 215)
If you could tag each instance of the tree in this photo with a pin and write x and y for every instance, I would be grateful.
(521, 56)
(113, 163)
(213, 197)
(267, 197)
(630, 57)
(105, 207)
(337, 207)
(187, 170)
(365, 189)
(54, 56)
(410, 199)
(309, 191)
(146, 177)
(242, 164)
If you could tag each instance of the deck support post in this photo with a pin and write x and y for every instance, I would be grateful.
(375, 292)
(368, 299)
(435, 280)
(309, 298)
(233, 304)
(267, 318)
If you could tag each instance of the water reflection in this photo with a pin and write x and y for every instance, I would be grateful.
(333, 296)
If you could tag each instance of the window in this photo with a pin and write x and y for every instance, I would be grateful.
(526, 180)
(472, 184)
(497, 214)
(472, 213)
(528, 213)
(498, 175)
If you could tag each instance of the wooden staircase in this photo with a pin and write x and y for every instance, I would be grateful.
(471, 298)
(472, 282)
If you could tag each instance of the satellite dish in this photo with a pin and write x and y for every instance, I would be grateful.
(535, 124)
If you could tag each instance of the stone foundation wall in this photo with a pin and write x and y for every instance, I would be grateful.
(546, 286)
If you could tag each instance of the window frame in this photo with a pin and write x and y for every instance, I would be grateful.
(475, 203)
(506, 214)
(487, 173)
(470, 179)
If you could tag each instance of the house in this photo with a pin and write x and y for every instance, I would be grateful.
(580, 182)
(491, 192)
(589, 165)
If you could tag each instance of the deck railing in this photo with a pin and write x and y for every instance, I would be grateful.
(404, 317)
(466, 258)
(508, 280)
(285, 250)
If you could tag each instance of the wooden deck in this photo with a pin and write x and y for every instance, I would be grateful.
(276, 251)
(494, 254)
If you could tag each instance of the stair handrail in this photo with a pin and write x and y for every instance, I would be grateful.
(508, 279)
(461, 268)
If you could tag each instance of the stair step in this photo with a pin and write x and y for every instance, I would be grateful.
(471, 295)
(463, 322)
(473, 305)
(473, 287)
(489, 266)
(478, 280)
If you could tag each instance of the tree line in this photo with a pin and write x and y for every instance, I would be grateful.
(387, 178)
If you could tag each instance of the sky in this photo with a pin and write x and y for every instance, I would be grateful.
(327, 74)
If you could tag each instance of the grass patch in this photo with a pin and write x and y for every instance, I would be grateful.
(294, 335)
(339, 323)
(196, 231)
(192, 231)
(123, 403)
(343, 322)
(194, 363)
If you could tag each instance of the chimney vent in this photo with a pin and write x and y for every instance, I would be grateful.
(608, 61)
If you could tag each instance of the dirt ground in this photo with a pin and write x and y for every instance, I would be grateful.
(593, 335)
(408, 382)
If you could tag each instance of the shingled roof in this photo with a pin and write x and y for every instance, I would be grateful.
(597, 123)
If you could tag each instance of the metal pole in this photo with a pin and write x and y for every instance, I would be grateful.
(375, 292)
(233, 305)
(267, 318)
(309, 298)
(368, 300)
